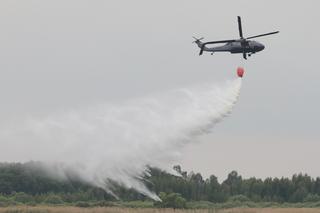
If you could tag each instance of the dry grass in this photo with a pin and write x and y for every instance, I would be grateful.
(271, 210)
(48, 209)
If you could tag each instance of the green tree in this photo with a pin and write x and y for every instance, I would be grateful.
(234, 182)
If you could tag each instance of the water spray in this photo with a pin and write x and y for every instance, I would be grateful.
(118, 141)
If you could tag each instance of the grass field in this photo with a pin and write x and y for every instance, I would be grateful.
(48, 209)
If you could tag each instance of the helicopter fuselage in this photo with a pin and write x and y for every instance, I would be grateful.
(236, 47)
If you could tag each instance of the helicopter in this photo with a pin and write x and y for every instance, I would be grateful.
(242, 45)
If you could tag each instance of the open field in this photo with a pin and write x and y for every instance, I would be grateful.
(48, 209)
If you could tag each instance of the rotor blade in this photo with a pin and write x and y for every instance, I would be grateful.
(240, 27)
(217, 42)
(263, 35)
(197, 39)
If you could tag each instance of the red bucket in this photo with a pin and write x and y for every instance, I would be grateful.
(240, 71)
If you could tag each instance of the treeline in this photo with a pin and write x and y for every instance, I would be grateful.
(192, 186)
(30, 179)
(27, 183)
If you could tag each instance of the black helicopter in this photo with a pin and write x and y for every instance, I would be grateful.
(242, 45)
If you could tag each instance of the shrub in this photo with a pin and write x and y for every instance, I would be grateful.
(137, 204)
(22, 197)
(53, 199)
(4, 202)
(312, 198)
(314, 205)
(104, 204)
(239, 198)
(32, 203)
(200, 205)
(172, 200)
(82, 204)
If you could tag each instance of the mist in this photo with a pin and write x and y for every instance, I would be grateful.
(119, 141)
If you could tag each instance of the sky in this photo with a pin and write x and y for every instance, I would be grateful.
(58, 55)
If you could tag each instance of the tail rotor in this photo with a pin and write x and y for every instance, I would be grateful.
(197, 39)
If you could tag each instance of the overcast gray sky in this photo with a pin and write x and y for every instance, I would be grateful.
(64, 54)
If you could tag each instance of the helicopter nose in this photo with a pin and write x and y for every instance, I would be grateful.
(261, 47)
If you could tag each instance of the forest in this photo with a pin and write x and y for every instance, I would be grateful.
(26, 183)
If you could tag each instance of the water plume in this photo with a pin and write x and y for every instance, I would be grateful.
(116, 142)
